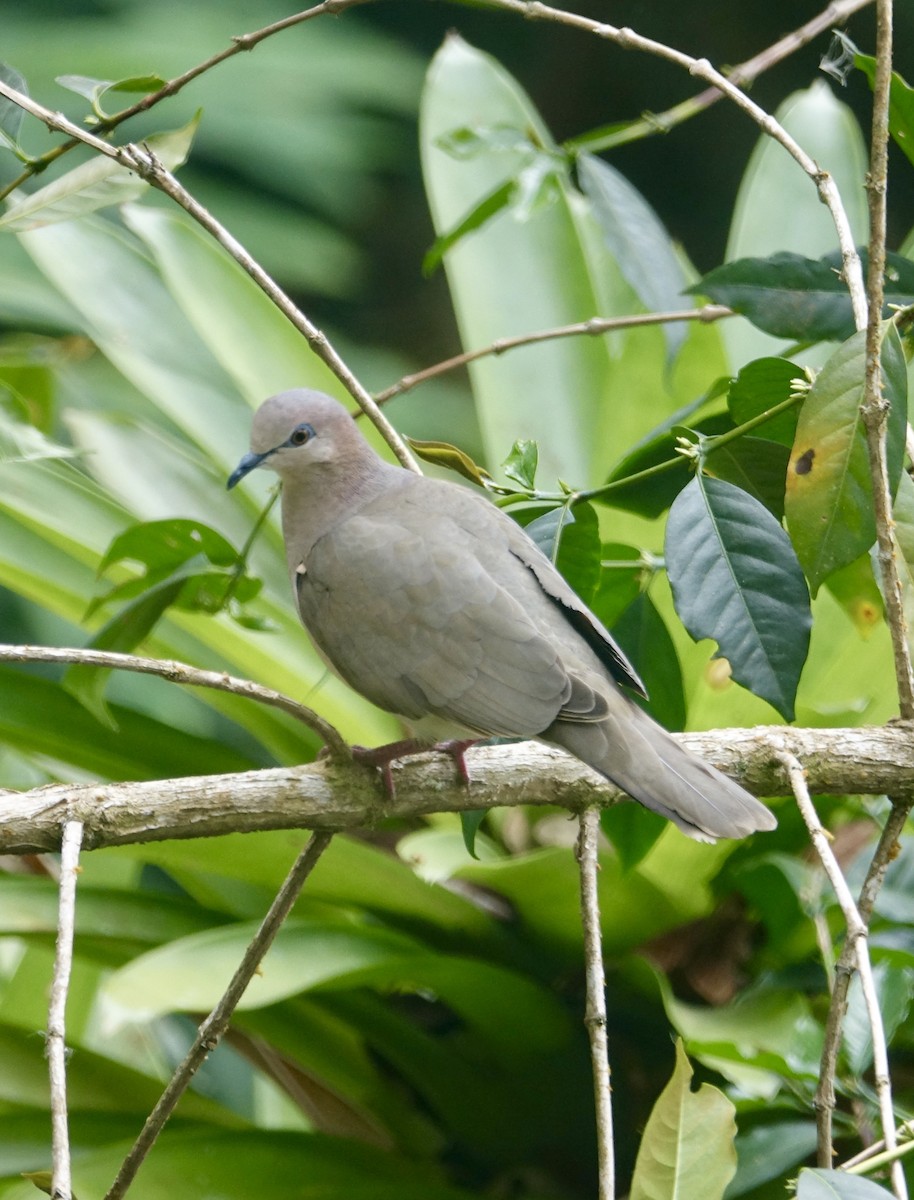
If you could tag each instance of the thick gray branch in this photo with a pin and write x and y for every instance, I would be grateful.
(331, 796)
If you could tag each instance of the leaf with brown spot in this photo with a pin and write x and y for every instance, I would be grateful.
(829, 500)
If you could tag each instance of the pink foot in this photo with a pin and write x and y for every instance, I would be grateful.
(382, 756)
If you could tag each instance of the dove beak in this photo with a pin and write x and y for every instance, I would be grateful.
(247, 464)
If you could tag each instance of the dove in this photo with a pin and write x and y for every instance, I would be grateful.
(435, 605)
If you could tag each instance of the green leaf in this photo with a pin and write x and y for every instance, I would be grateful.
(901, 97)
(768, 1152)
(570, 537)
(620, 581)
(893, 989)
(652, 496)
(11, 114)
(829, 503)
(478, 216)
(96, 184)
(818, 1183)
(790, 296)
(22, 442)
(856, 590)
(169, 543)
(735, 579)
(758, 387)
(637, 241)
(520, 465)
(754, 464)
(443, 454)
(94, 89)
(687, 1147)
(646, 642)
(469, 826)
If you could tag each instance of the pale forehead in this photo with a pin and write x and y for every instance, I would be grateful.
(278, 416)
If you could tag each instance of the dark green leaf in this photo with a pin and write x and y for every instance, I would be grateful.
(769, 1151)
(760, 386)
(443, 454)
(620, 582)
(800, 298)
(735, 579)
(756, 465)
(571, 539)
(650, 497)
(11, 114)
(469, 825)
(829, 490)
(520, 465)
(637, 241)
(632, 831)
(646, 641)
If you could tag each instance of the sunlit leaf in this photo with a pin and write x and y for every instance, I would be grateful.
(829, 504)
(520, 465)
(443, 454)
(687, 1147)
(819, 1183)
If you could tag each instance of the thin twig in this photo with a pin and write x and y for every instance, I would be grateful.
(178, 672)
(592, 327)
(595, 999)
(863, 1159)
(215, 1025)
(857, 937)
(145, 164)
(742, 74)
(243, 42)
(628, 39)
(61, 1184)
(874, 409)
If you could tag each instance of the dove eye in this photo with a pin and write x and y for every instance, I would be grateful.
(304, 433)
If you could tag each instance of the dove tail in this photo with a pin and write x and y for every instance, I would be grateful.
(633, 752)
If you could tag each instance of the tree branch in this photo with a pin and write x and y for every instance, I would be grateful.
(856, 937)
(329, 795)
(595, 1000)
(590, 328)
(61, 1184)
(144, 163)
(178, 672)
(628, 39)
(211, 1031)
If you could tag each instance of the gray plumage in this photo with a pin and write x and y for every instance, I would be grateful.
(436, 606)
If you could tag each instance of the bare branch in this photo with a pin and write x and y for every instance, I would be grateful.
(178, 672)
(595, 999)
(590, 328)
(857, 937)
(874, 409)
(330, 795)
(210, 1032)
(61, 1185)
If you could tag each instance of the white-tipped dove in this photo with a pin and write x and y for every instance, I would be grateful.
(436, 606)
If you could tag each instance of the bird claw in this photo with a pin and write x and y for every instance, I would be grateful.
(383, 756)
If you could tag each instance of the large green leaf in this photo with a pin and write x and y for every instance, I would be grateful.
(829, 504)
(735, 579)
(687, 1147)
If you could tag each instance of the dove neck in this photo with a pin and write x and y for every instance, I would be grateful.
(326, 496)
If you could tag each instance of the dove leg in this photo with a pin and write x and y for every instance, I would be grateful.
(382, 756)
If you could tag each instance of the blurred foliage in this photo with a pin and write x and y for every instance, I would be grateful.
(417, 1029)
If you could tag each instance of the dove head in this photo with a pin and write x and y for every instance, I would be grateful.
(294, 431)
